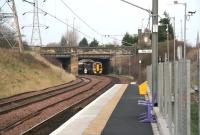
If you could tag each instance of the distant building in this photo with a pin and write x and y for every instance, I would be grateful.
(144, 38)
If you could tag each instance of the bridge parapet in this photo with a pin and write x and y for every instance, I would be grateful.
(55, 50)
(88, 50)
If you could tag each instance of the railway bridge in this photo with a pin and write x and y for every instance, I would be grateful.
(69, 56)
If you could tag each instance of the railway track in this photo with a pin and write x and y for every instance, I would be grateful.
(36, 97)
(52, 123)
(74, 99)
(12, 105)
(21, 96)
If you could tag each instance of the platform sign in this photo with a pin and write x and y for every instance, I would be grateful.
(155, 28)
(145, 51)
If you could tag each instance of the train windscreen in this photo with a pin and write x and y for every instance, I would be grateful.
(97, 67)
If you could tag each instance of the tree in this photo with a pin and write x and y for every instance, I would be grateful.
(94, 43)
(70, 38)
(7, 37)
(83, 43)
(63, 41)
(129, 40)
(162, 29)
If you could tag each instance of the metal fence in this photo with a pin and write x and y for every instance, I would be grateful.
(173, 95)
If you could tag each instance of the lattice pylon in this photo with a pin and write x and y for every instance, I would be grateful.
(15, 24)
(36, 38)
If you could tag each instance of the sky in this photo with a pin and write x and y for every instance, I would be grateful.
(107, 17)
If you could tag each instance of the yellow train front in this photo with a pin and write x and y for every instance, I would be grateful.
(97, 68)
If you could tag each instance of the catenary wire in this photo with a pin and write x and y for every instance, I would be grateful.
(51, 15)
(80, 18)
(58, 19)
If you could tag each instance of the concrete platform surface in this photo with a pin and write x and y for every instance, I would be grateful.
(92, 119)
(124, 119)
(113, 113)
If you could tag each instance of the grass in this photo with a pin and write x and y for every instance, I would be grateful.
(194, 118)
(22, 72)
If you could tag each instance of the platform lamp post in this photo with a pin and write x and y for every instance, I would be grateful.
(167, 42)
(73, 37)
(174, 31)
(185, 18)
(154, 14)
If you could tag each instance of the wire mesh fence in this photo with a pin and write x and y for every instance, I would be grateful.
(173, 95)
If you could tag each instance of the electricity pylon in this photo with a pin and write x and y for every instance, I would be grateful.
(36, 35)
(36, 38)
(12, 15)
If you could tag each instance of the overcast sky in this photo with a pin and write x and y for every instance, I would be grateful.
(108, 17)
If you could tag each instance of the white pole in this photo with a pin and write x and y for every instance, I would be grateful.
(167, 42)
(185, 19)
(174, 40)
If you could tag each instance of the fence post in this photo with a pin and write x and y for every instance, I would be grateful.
(170, 95)
(160, 87)
(176, 96)
(188, 97)
(184, 101)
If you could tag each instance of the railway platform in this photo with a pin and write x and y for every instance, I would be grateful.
(113, 113)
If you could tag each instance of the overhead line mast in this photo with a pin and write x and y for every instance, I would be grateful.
(155, 15)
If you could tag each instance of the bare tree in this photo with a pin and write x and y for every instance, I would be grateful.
(7, 37)
(71, 38)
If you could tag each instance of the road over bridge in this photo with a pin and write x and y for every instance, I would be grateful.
(69, 56)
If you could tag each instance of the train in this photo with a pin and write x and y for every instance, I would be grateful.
(97, 68)
(90, 67)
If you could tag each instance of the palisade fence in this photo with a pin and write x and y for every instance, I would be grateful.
(173, 95)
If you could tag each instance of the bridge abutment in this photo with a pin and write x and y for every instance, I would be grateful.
(74, 62)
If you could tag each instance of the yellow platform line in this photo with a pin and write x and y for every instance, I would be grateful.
(97, 125)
